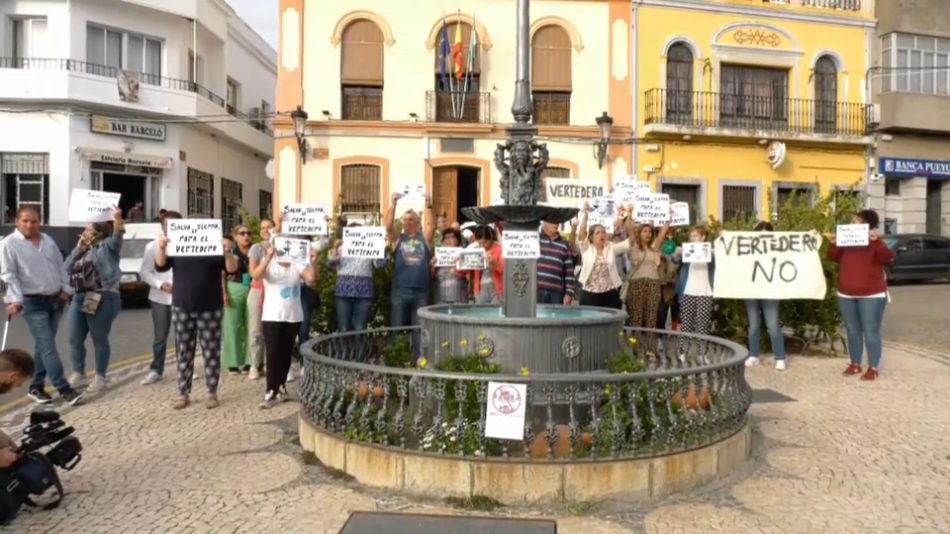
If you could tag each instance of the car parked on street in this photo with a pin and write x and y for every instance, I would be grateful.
(137, 236)
(918, 257)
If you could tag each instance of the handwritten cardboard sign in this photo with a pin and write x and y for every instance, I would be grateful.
(520, 244)
(504, 410)
(628, 189)
(194, 237)
(412, 193)
(472, 259)
(697, 252)
(304, 219)
(447, 256)
(680, 216)
(852, 235)
(603, 212)
(86, 206)
(292, 250)
(572, 192)
(769, 265)
(653, 208)
(367, 242)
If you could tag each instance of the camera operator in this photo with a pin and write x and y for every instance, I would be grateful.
(16, 367)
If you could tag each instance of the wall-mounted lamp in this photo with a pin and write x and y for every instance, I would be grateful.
(414, 116)
(605, 122)
(326, 114)
(300, 125)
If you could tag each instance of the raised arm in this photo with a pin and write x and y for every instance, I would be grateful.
(428, 231)
(582, 229)
(258, 270)
(390, 219)
(114, 241)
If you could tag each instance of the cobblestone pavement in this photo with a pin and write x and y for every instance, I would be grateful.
(845, 457)
(917, 315)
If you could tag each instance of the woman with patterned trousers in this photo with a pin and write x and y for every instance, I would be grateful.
(694, 286)
(644, 291)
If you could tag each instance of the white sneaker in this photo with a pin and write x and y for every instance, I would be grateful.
(780, 365)
(290, 375)
(77, 380)
(151, 378)
(98, 384)
(752, 361)
(270, 400)
(253, 374)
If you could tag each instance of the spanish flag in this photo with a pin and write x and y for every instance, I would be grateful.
(457, 51)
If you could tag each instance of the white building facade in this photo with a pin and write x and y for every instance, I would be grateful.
(167, 102)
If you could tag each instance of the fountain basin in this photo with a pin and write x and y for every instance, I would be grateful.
(559, 339)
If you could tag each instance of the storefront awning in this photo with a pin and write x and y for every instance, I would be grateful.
(122, 158)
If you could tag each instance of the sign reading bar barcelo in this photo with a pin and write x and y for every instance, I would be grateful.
(368, 242)
(520, 244)
(769, 265)
(303, 219)
(194, 237)
(138, 129)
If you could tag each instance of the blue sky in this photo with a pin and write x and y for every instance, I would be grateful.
(260, 15)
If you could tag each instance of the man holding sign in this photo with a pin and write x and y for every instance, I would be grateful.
(413, 252)
(196, 260)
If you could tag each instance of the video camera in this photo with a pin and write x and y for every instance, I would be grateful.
(47, 428)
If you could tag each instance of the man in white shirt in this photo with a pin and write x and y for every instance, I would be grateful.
(31, 266)
(160, 297)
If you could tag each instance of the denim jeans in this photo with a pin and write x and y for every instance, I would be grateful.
(862, 319)
(404, 304)
(98, 326)
(161, 323)
(547, 296)
(42, 315)
(352, 313)
(755, 309)
(308, 301)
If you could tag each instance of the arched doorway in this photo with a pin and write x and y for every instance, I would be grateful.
(455, 187)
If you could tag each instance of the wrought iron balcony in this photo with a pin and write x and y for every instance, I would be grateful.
(705, 110)
(841, 5)
(458, 106)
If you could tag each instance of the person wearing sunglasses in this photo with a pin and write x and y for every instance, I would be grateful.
(235, 287)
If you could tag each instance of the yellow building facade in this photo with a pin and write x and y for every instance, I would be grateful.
(737, 99)
(381, 114)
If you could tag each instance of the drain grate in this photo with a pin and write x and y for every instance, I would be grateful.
(391, 523)
(766, 395)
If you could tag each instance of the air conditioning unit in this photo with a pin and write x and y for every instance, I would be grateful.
(874, 116)
(256, 121)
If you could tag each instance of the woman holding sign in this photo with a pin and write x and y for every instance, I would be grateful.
(451, 283)
(862, 293)
(695, 287)
(281, 318)
(645, 290)
(599, 279)
(236, 287)
(353, 294)
(93, 272)
(489, 282)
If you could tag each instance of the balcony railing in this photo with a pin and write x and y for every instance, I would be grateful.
(842, 5)
(458, 106)
(699, 109)
(106, 71)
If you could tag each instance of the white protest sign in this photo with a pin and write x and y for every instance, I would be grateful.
(292, 250)
(412, 194)
(697, 252)
(627, 190)
(852, 235)
(652, 209)
(680, 216)
(88, 206)
(447, 256)
(504, 410)
(472, 259)
(603, 212)
(364, 242)
(194, 237)
(304, 219)
(572, 192)
(769, 265)
(520, 245)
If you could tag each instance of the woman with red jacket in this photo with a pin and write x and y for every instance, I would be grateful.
(862, 294)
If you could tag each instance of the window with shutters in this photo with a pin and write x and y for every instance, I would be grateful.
(362, 71)
(687, 193)
(739, 202)
(25, 183)
(551, 172)
(551, 82)
(200, 193)
(826, 94)
(753, 97)
(265, 200)
(457, 97)
(232, 197)
(359, 188)
(679, 83)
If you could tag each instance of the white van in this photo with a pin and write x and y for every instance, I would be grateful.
(137, 236)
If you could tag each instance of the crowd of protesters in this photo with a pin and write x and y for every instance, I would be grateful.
(249, 309)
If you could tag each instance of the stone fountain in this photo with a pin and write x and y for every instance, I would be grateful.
(519, 334)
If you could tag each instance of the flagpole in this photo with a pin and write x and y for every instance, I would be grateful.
(445, 49)
(472, 38)
(458, 83)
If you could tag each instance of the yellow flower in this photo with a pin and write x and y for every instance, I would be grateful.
(445, 344)
(625, 373)
(524, 371)
(481, 338)
(422, 363)
(463, 343)
(632, 341)
(607, 390)
(484, 352)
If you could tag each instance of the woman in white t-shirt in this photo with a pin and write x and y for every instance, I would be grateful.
(280, 318)
(694, 286)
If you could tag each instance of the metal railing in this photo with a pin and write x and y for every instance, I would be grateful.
(458, 106)
(844, 5)
(671, 392)
(700, 109)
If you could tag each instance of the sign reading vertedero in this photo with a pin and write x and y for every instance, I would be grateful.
(769, 265)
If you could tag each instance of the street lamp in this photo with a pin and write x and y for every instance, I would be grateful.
(605, 122)
(300, 125)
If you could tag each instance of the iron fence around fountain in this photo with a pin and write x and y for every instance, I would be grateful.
(669, 392)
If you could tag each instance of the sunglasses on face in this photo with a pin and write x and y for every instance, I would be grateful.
(243, 233)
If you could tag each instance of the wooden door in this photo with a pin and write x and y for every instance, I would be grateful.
(445, 193)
